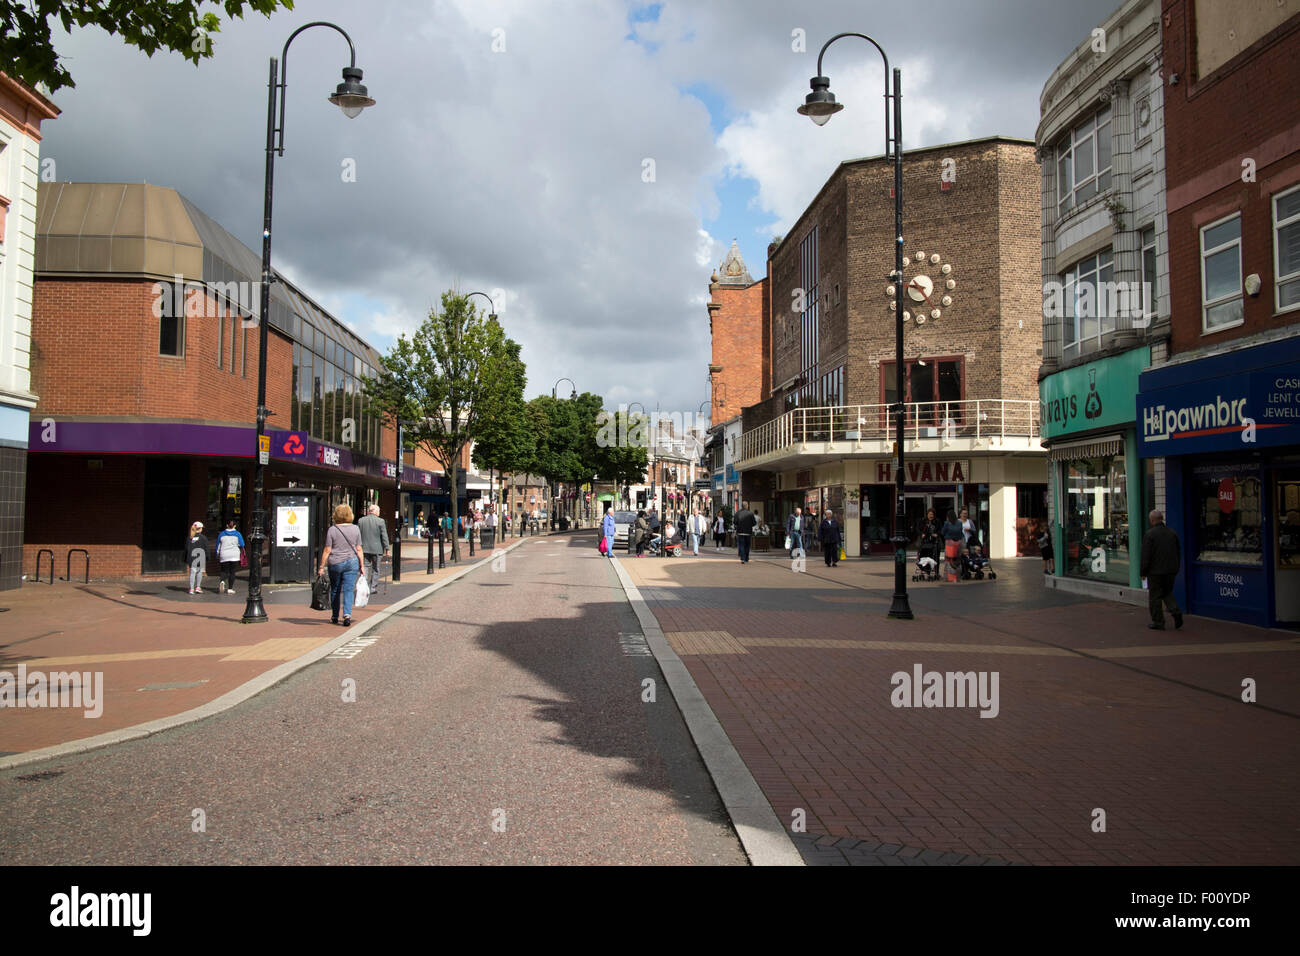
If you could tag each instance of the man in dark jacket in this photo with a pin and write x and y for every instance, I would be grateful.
(794, 528)
(829, 535)
(745, 521)
(1160, 564)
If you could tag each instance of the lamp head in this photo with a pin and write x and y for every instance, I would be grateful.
(351, 96)
(819, 105)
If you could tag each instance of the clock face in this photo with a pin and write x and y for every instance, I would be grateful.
(927, 287)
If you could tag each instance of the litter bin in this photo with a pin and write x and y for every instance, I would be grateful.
(487, 539)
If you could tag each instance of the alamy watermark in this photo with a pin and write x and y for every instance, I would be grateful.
(654, 429)
(947, 689)
(1099, 300)
(82, 690)
(207, 300)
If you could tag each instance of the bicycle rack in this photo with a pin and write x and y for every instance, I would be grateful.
(50, 552)
(68, 571)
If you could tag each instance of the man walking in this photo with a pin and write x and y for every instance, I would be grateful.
(697, 527)
(374, 542)
(829, 535)
(794, 530)
(607, 528)
(1160, 564)
(745, 521)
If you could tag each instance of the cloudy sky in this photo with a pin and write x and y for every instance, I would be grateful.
(587, 161)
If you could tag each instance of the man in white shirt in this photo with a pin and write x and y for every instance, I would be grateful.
(696, 526)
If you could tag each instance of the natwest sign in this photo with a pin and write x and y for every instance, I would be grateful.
(927, 471)
(326, 455)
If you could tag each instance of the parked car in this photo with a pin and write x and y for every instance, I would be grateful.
(622, 521)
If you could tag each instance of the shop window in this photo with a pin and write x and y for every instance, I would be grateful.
(1288, 518)
(294, 410)
(1031, 518)
(1096, 518)
(1228, 502)
(1221, 275)
(1286, 250)
(935, 386)
(1083, 167)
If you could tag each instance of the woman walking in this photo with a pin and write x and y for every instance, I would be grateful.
(342, 555)
(196, 553)
(719, 532)
(230, 552)
(953, 536)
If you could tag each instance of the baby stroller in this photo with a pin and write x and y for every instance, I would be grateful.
(927, 561)
(975, 565)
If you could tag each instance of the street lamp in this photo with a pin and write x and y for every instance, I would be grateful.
(352, 98)
(397, 528)
(492, 317)
(573, 393)
(820, 106)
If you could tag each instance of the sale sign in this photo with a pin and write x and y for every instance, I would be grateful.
(1227, 495)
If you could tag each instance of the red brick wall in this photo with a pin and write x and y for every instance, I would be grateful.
(1246, 109)
(739, 323)
(95, 353)
(63, 520)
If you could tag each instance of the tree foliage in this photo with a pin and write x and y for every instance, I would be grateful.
(27, 45)
(446, 382)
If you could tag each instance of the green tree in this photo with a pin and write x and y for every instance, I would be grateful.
(506, 443)
(445, 380)
(621, 455)
(27, 47)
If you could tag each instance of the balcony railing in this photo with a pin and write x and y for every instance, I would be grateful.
(946, 421)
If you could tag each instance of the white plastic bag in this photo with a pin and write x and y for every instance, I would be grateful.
(363, 592)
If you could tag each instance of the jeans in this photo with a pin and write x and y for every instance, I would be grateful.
(343, 584)
(796, 541)
(742, 546)
(609, 545)
(695, 543)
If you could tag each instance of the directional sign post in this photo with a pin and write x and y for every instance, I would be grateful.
(263, 449)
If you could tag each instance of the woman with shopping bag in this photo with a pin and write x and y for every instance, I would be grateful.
(343, 557)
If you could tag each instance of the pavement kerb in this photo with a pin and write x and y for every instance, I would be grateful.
(238, 695)
(765, 841)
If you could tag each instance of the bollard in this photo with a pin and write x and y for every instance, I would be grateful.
(470, 536)
(442, 558)
(428, 563)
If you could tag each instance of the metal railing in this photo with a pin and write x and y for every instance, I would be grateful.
(950, 421)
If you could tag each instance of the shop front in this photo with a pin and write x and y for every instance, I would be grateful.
(931, 483)
(1228, 427)
(1096, 481)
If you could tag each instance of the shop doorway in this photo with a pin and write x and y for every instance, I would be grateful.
(165, 519)
(917, 504)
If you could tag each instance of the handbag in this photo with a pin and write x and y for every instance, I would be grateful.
(320, 593)
(363, 592)
(243, 558)
(604, 547)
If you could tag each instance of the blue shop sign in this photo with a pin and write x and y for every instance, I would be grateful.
(1238, 401)
(731, 474)
(1237, 593)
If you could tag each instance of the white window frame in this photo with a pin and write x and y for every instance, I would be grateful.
(1082, 345)
(1150, 308)
(1278, 279)
(1070, 146)
(1205, 253)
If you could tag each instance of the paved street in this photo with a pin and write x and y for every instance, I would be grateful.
(501, 720)
(1095, 712)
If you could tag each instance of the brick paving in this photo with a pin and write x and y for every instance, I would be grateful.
(162, 650)
(1095, 712)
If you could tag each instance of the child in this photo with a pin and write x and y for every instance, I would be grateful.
(1045, 549)
(196, 556)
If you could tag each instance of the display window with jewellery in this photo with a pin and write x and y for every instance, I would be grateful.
(1230, 508)
(1097, 518)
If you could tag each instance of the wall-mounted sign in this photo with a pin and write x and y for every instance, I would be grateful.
(926, 471)
(1096, 395)
(325, 455)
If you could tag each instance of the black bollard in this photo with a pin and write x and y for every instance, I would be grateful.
(471, 540)
(442, 558)
(429, 561)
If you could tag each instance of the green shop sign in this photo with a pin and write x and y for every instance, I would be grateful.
(1099, 394)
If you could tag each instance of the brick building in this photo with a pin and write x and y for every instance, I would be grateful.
(22, 110)
(1105, 295)
(820, 436)
(1223, 407)
(148, 386)
(739, 326)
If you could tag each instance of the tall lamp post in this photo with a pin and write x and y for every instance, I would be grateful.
(573, 393)
(397, 529)
(819, 106)
(492, 317)
(352, 98)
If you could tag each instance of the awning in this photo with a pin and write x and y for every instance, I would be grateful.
(605, 497)
(1101, 447)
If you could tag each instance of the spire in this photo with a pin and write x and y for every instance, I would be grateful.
(732, 269)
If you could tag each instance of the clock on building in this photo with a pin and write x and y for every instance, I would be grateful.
(928, 285)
